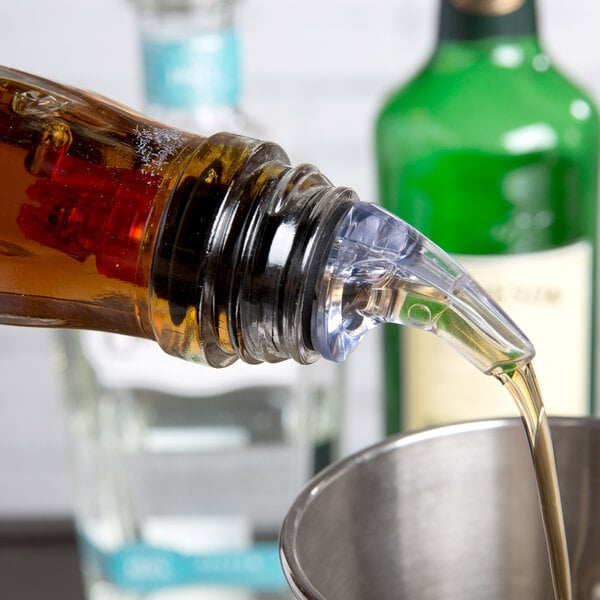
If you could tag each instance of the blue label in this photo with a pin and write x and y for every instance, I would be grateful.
(192, 71)
(142, 568)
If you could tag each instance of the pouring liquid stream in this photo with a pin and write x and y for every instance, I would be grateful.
(521, 383)
(523, 387)
(390, 273)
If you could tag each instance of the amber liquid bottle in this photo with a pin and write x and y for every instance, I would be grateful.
(87, 239)
(216, 248)
(492, 152)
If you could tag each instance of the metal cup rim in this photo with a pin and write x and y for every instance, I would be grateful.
(297, 579)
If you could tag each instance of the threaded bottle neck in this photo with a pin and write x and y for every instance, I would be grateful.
(283, 264)
(480, 19)
(240, 251)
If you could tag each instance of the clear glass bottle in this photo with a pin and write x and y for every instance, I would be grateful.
(492, 153)
(216, 249)
(248, 436)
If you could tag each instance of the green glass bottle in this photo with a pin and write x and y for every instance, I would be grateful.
(492, 153)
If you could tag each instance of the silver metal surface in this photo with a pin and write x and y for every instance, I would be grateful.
(449, 513)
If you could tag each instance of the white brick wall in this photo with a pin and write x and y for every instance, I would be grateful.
(315, 73)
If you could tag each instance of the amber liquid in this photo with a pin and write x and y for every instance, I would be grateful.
(83, 187)
(523, 387)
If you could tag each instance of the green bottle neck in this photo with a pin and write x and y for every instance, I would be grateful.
(464, 20)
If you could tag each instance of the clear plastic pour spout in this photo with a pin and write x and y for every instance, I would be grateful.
(382, 270)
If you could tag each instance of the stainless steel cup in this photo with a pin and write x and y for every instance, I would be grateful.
(447, 513)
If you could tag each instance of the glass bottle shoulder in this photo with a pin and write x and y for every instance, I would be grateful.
(504, 96)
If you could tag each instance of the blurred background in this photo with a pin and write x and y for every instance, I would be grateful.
(315, 74)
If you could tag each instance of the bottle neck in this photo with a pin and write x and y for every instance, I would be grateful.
(240, 252)
(190, 55)
(464, 20)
